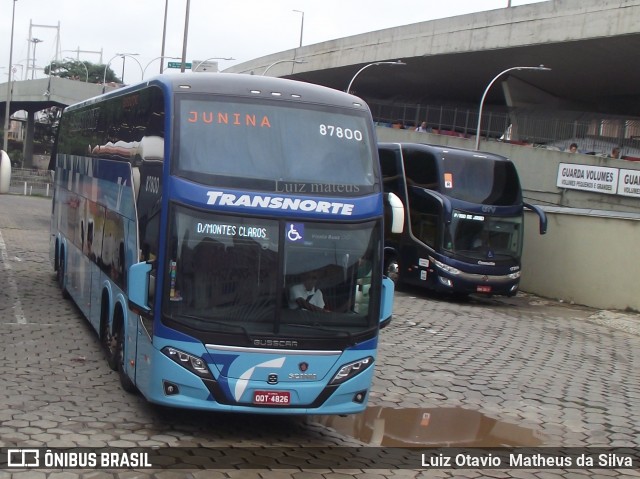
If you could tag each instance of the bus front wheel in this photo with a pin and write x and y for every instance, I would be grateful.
(125, 380)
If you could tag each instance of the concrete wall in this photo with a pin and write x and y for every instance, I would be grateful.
(537, 168)
(583, 258)
(590, 252)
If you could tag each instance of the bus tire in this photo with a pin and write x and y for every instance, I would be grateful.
(460, 296)
(60, 274)
(125, 380)
(109, 341)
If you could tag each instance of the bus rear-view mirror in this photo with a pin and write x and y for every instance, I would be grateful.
(138, 287)
(386, 302)
(397, 212)
(541, 215)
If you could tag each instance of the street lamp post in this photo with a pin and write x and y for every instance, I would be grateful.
(282, 61)
(124, 56)
(104, 76)
(397, 62)
(162, 57)
(72, 60)
(35, 42)
(7, 110)
(82, 63)
(539, 68)
(117, 55)
(164, 34)
(184, 40)
(301, 25)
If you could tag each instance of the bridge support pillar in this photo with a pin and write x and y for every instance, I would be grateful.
(27, 152)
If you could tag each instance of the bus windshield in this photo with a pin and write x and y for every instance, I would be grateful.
(482, 237)
(225, 276)
(272, 147)
(476, 180)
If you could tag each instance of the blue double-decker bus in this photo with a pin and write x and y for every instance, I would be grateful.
(464, 219)
(223, 234)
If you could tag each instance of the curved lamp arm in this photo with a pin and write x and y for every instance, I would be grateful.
(156, 58)
(370, 65)
(118, 55)
(82, 63)
(484, 95)
(282, 61)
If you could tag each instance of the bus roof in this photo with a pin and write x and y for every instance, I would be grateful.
(440, 150)
(238, 84)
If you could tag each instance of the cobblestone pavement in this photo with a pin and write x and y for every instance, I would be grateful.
(521, 371)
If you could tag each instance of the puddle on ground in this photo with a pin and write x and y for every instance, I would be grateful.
(437, 427)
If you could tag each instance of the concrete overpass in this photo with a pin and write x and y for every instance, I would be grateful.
(591, 45)
(33, 96)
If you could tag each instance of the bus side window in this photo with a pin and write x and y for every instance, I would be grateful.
(421, 169)
(391, 174)
(423, 215)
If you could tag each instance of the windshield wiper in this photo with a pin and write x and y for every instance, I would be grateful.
(219, 323)
(347, 334)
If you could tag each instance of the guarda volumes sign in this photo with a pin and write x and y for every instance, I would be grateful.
(599, 179)
(629, 183)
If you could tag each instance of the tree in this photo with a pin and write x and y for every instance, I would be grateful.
(48, 125)
(75, 70)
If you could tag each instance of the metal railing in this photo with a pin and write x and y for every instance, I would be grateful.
(594, 133)
(31, 182)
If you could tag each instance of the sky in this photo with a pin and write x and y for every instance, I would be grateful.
(240, 29)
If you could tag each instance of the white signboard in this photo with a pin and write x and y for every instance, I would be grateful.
(598, 179)
(629, 183)
(199, 66)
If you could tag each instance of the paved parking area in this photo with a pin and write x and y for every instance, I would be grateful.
(524, 370)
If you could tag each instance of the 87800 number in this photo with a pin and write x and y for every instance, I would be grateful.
(339, 132)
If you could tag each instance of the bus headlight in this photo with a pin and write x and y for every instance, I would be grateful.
(193, 363)
(352, 369)
(515, 275)
(444, 267)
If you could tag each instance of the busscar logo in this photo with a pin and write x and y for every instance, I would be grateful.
(270, 343)
(23, 458)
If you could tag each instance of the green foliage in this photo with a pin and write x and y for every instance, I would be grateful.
(48, 125)
(81, 71)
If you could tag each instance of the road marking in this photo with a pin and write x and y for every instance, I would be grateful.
(13, 286)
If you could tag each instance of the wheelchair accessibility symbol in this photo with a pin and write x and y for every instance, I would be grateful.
(295, 231)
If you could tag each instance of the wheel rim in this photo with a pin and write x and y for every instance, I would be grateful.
(117, 338)
(61, 272)
(393, 270)
(110, 342)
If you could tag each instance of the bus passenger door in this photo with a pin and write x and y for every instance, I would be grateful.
(139, 292)
(394, 189)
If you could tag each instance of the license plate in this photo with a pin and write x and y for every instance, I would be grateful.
(483, 289)
(275, 398)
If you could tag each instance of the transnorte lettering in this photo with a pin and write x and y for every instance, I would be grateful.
(278, 202)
